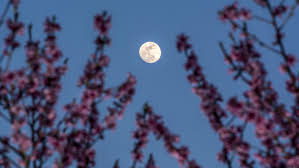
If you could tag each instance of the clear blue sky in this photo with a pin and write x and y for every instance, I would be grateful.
(162, 84)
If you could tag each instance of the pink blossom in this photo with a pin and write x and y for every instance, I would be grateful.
(50, 25)
(279, 10)
(15, 3)
(291, 60)
(235, 106)
(233, 12)
(261, 2)
(147, 121)
(15, 26)
(102, 23)
(182, 43)
(293, 161)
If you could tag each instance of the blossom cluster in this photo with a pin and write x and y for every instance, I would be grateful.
(230, 136)
(83, 126)
(276, 125)
(29, 97)
(15, 28)
(41, 136)
(233, 12)
(149, 122)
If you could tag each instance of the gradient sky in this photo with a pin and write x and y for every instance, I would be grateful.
(162, 84)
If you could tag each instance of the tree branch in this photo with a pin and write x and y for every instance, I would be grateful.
(4, 12)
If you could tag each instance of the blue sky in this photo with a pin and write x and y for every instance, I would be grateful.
(162, 84)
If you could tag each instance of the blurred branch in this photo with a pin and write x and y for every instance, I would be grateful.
(12, 161)
(232, 63)
(279, 40)
(256, 39)
(4, 117)
(262, 19)
(4, 12)
(5, 143)
(291, 13)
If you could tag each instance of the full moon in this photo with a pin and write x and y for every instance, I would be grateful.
(150, 52)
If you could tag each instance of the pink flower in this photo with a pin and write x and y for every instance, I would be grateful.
(104, 61)
(148, 121)
(245, 14)
(17, 125)
(110, 121)
(15, 26)
(192, 79)
(24, 142)
(9, 77)
(283, 68)
(191, 62)
(235, 106)
(280, 10)
(15, 3)
(102, 23)
(232, 12)
(54, 142)
(182, 43)
(291, 59)
(16, 109)
(50, 25)
(293, 161)
(261, 2)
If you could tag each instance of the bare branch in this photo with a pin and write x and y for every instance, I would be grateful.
(290, 15)
(4, 12)
(262, 19)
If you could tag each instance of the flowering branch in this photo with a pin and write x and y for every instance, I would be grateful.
(16, 28)
(4, 13)
(147, 121)
(151, 162)
(29, 95)
(230, 135)
(275, 126)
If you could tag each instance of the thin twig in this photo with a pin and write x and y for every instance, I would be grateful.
(232, 119)
(282, 2)
(232, 63)
(256, 39)
(262, 19)
(16, 16)
(20, 153)
(2, 56)
(5, 117)
(30, 32)
(279, 40)
(263, 44)
(12, 162)
(8, 62)
(291, 13)
(4, 12)
(241, 136)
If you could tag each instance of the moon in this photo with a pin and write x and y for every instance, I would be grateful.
(150, 52)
